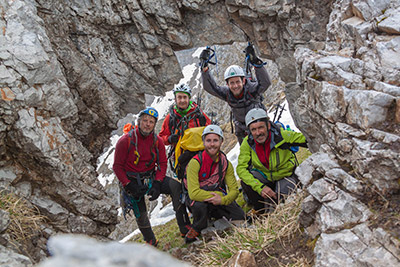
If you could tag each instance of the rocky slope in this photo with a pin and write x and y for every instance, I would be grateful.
(70, 69)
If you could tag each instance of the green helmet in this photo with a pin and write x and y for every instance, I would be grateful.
(215, 129)
(182, 88)
(255, 114)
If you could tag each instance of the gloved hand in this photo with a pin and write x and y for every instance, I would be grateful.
(131, 189)
(173, 138)
(252, 55)
(204, 56)
(155, 190)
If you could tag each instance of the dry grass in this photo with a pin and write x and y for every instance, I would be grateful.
(24, 220)
(278, 226)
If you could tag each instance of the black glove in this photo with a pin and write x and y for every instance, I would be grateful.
(204, 56)
(155, 190)
(202, 120)
(135, 190)
(252, 55)
(173, 138)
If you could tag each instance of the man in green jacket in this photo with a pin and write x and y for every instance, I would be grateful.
(266, 164)
(211, 184)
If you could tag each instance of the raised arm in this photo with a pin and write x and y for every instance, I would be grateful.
(262, 83)
(211, 86)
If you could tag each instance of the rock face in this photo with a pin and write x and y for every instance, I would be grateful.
(335, 212)
(346, 101)
(70, 69)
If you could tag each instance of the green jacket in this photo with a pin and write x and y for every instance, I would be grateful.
(281, 160)
(198, 194)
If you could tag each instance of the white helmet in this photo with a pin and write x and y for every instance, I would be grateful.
(182, 88)
(215, 129)
(255, 114)
(233, 71)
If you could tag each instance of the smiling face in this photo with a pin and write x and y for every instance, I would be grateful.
(259, 130)
(182, 100)
(212, 144)
(235, 84)
(147, 124)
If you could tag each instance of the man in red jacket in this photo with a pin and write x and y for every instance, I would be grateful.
(140, 164)
(182, 115)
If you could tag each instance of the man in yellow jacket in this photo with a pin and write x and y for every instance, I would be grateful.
(266, 164)
(211, 184)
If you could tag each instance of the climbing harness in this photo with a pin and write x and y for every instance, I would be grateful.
(130, 200)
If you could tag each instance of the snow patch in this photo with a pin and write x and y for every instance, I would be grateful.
(158, 216)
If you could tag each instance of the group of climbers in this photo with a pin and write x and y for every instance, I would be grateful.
(207, 186)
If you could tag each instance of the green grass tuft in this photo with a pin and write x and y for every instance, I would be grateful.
(25, 220)
(267, 230)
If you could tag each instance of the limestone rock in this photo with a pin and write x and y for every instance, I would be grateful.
(390, 22)
(388, 52)
(357, 246)
(242, 258)
(344, 210)
(4, 220)
(11, 258)
(216, 227)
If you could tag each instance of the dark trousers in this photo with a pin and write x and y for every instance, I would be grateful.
(202, 211)
(143, 222)
(240, 131)
(282, 188)
(171, 187)
(174, 188)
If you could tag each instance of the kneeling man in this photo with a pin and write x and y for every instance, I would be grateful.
(266, 164)
(211, 184)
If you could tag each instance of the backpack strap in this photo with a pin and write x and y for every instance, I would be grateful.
(156, 155)
(198, 117)
(179, 127)
(131, 140)
(172, 119)
(199, 158)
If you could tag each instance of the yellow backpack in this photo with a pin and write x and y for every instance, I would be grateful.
(190, 141)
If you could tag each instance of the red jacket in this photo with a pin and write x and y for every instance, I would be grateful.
(124, 162)
(193, 122)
